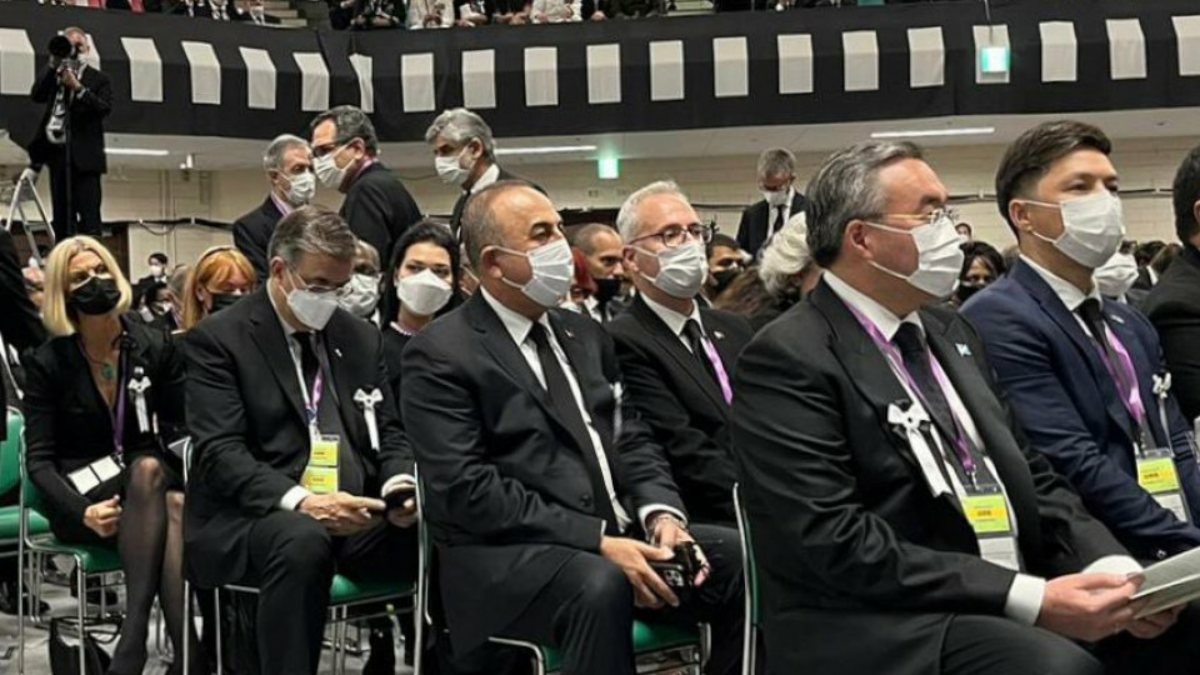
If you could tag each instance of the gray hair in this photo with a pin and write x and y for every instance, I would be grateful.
(628, 224)
(312, 230)
(586, 235)
(846, 188)
(480, 227)
(273, 157)
(776, 162)
(461, 126)
(367, 252)
(785, 256)
(351, 123)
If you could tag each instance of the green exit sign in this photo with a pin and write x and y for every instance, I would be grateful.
(994, 60)
(609, 168)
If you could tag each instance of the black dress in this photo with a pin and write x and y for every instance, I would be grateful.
(68, 424)
(393, 347)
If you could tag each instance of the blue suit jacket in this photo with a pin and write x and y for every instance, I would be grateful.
(1069, 406)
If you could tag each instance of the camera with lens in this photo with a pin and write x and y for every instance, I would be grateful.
(63, 51)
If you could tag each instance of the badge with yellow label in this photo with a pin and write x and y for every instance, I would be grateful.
(321, 474)
(1157, 475)
(987, 510)
(987, 513)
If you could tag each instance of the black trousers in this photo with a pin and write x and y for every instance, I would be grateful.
(84, 202)
(587, 611)
(292, 561)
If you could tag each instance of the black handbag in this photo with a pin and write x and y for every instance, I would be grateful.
(64, 658)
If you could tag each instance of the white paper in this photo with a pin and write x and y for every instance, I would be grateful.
(1171, 582)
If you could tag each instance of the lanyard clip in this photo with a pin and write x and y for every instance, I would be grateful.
(1162, 384)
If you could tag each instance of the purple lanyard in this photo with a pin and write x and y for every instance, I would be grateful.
(118, 420)
(715, 359)
(314, 400)
(893, 355)
(1125, 378)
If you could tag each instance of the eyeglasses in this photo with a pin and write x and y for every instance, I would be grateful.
(340, 291)
(676, 235)
(937, 215)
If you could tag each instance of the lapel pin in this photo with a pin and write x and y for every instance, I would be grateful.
(569, 333)
(338, 352)
(963, 350)
(718, 335)
(1116, 318)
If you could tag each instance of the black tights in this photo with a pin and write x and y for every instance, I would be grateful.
(150, 542)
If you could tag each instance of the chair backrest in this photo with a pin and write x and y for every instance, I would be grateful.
(749, 568)
(10, 451)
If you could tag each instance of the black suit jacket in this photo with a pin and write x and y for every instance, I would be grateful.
(682, 403)
(252, 236)
(1174, 308)
(87, 120)
(507, 494)
(69, 425)
(246, 416)
(379, 209)
(850, 541)
(456, 215)
(757, 220)
(20, 324)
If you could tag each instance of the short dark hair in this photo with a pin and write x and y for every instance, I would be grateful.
(983, 251)
(1145, 252)
(159, 256)
(1035, 151)
(351, 123)
(724, 240)
(423, 232)
(1185, 192)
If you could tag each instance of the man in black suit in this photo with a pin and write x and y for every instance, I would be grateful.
(297, 438)
(602, 248)
(464, 154)
(540, 481)
(377, 206)
(288, 163)
(781, 200)
(901, 523)
(78, 97)
(1173, 305)
(678, 357)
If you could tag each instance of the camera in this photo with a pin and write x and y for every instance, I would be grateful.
(62, 49)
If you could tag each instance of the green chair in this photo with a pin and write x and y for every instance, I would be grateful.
(35, 541)
(675, 647)
(750, 577)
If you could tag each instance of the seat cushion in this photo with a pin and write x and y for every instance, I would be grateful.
(10, 523)
(93, 559)
(344, 590)
(647, 638)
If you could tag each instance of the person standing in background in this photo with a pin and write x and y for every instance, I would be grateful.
(288, 163)
(781, 200)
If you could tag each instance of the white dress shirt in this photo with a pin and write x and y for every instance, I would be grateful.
(519, 328)
(1068, 292)
(490, 176)
(1024, 601)
(676, 321)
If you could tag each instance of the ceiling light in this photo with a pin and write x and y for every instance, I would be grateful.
(545, 150)
(926, 133)
(137, 152)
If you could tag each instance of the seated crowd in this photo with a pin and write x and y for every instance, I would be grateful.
(942, 451)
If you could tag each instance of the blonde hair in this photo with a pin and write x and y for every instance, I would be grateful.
(786, 255)
(57, 316)
(215, 266)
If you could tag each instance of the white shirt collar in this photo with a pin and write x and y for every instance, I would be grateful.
(490, 176)
(883, 318)
(1153, 275)
(1066, 291)
(674, 320)
(517, 325)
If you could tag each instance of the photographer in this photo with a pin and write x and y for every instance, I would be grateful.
(70, 138)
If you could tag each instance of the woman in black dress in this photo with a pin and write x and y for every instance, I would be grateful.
(102, 398)
(424, 275)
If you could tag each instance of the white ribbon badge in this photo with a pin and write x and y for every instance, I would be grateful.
(139, 385)
(367, 401)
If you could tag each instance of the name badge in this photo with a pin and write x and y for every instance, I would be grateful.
(321, 474)
(987, 510)
(90, 477)
(1157, 475)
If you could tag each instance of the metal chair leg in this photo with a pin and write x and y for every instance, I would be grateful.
(81, 607)
(418, 639)
(188, 626)
(217, 612)
(21, 606)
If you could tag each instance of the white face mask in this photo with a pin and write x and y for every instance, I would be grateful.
(156, 270)
(553, 270)
(1093, 228)
(327, 169)
(681, 270)
(939, 257)
(777, 198)
(363, 295)
(424, 293)
(450, 169)
(1115, 277)
(301, 188)
(312, 309)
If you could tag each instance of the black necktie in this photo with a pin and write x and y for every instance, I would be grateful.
(351, 473)
(562, 400)
(779, 219)
(308, 359)
(1092, 314)
(695, 338)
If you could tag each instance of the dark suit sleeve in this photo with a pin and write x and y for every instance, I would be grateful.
(19, 321)
(790, 439)
(254, 250)
(1021, 358)
(368, 215)
(1178, 325)
(45, 86)
(42, 398)
(395, 452)
(462, 486)
(217, 420)
(743, 235)
(95, 100)
(643, 461)
(169, 399)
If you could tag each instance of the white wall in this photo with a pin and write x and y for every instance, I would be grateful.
(729, 181)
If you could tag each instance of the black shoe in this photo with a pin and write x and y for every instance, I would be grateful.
(8, 600)
(382, 660)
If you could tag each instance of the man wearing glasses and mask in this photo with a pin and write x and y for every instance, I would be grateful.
(297, 444)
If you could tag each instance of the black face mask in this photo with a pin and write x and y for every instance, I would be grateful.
(724, 278)
(607, 289)
(964, 292)
(96, 296)
(222, 301)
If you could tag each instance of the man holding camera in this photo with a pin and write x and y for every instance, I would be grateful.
(70, 138)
